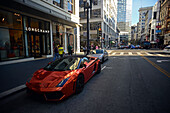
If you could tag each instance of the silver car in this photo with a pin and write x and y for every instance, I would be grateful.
(102, 54)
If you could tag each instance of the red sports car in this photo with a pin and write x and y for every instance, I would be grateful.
(63, 77)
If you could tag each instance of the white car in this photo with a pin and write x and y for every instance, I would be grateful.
(167, 49)
(102, 54)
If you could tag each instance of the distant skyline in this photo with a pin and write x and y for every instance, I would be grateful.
(136, 4)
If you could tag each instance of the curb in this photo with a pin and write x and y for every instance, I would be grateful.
(12, 91)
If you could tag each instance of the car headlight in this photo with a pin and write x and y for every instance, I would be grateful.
(62, 82)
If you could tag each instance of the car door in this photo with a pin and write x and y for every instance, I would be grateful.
(87, 70)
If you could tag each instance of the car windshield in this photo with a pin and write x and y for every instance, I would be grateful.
(68, 63)
(99, 51)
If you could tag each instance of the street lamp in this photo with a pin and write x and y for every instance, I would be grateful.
(87, 5)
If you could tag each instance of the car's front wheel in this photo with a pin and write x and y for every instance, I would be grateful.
(79, 83)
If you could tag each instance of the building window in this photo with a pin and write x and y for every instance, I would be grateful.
(95, 25)
(154, 15)
(82, 15)
(81, 3)
(95, 2)
(96, 13)
(71, 6)
(58, 3)
(11, 36)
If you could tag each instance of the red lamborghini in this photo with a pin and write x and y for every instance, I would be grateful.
(63, 77)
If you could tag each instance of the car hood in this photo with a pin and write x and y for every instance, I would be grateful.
(96, 55)
(45, 77)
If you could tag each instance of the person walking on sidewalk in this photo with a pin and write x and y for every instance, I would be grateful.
(69, 50)
(56, 54)
(61, 51)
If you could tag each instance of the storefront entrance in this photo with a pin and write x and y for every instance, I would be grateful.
(37, 44)
(34, 45)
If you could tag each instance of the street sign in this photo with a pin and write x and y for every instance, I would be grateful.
(158, 31)
(158, 26)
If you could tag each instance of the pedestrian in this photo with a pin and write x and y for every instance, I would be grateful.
(56, 54)
(84, 49)
(69, 50)
(97, 47)
(61, 51)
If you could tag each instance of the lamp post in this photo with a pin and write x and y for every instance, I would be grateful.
(87, 5)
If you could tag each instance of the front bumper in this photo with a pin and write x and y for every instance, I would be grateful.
(50, 94)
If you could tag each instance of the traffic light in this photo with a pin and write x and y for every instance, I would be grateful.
(100, 32)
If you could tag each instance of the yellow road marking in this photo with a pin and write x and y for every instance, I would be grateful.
(157, 67)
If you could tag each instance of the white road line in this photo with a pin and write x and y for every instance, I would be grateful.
(130, 53)
(139, 53)
(148, 54)
(8, 92)
(114, 53)
(163, 61)
(160, 55)
(109, 52)
(121, 53)
(103, 67)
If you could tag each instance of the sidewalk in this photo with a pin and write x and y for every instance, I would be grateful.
(13, 76)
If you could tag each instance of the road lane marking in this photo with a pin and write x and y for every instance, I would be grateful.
(121, 53)
(163, 61)
(160, 55)
(148, 54)
(13, 90)
(130, 53)
(139, 53)
(109, 52)
(103, 67)
(114, 53)
(156, 66)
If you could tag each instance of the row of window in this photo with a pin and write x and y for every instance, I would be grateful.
(70, 5)
(93, 26)
(95, 14)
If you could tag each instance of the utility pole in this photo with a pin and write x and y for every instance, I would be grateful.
(88, 5)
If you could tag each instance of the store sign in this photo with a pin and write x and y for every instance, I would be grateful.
(36, 30)
(158, 31)
(158, 26)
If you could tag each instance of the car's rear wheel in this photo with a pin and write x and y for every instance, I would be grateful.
(99, 68)
(79, 84)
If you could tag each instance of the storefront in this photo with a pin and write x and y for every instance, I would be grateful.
(23, 36)
(63, 35)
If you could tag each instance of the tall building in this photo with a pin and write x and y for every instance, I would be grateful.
(142, 14)
(164, 38)
(148, 21)
(104, 16)
(124, 19)
(32, 28)
(154, 24)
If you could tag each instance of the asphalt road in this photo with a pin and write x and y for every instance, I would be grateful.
(127, 84)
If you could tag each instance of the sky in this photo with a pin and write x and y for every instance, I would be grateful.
(136, 4)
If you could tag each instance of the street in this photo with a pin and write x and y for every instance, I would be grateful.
(130, 82)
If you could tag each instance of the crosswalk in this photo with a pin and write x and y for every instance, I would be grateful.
(133, 54)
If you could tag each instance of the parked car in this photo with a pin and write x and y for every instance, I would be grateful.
(63, 77)
(167, 49)
(132, 47)
(102, 54)
(137, 47)
(121, 47)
